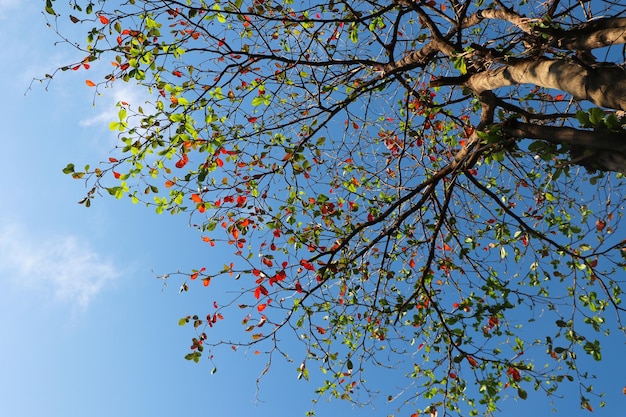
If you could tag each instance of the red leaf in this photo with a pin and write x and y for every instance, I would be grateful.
(113, 160)
(263, 290)
(472, 361)
(321, 330)
(252, 119)
(103, 19)
(196, 198)
(600, 225)
(206, 282)
(117, 175)
(177, 73)
(298, 286)
(280, 276)
(183, 161)
(307, 265)
(514, 373)
(261, 307)
(169, 184)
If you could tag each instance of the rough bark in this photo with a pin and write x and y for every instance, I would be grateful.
(608, 141)
(596, 34)
(605, 150)
(603, 86)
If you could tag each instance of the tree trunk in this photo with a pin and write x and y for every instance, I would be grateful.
(605, 151)
(603, 86)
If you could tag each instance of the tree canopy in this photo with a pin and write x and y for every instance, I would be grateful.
(432, 186)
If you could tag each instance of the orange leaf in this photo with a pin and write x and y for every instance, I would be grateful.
(103, 19)
(472, 361)
(90, 83)
(169, 184)
(261, 307)
(196, 198)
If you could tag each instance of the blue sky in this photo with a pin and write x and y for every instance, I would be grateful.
(86, 328)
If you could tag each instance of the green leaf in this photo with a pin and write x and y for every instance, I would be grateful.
(459, 64)
(69, 169)
(593, 349)
(258, 100)
(595, 116)
(522, 394)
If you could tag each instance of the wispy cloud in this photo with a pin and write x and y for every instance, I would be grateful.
(134, 95)
(65, 266)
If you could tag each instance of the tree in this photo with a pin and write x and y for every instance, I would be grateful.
(425, 178)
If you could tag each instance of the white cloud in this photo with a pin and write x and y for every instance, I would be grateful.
(134, 95)
(65, 266)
